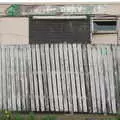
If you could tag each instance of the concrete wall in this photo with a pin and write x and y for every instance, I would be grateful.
(104, 39)
(68, 9)
(3, 9)
(14, 30)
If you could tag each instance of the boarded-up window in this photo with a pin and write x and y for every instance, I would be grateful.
(59, 31)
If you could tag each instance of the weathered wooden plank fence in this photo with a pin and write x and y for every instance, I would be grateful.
(60, 78)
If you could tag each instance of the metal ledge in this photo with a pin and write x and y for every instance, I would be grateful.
(59, 17)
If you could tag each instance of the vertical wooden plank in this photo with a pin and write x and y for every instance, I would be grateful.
(8, 83)
(25, 78)
(111, 79)
(101, 76)
(84, 99)
(15, 74)
(96, 74)
(58, 78)
(22, 78)
(87, 79)
(77, 77)
(31, 79)
(63, 78)
(35, 78)
(107, 84)
(52, 59)
(1, 101)
(18, 93)
(118, 77)
(115, 53)
(118, 68)
(3, 79)
(41, 95)
(45, 82)
(12, 79)
(92, 78)
(67, 73)
(49, 77)
(74, 97)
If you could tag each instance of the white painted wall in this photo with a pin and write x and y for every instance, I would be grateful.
(104, 39)
(14, 30)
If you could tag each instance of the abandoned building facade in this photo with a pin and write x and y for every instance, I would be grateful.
(69, 76)
(58, 23)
